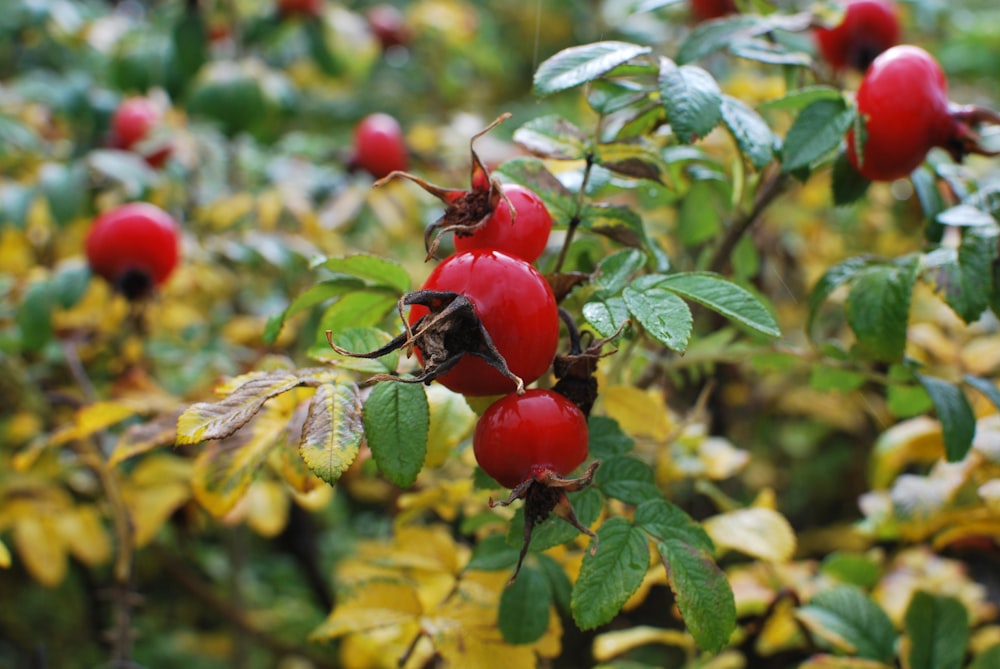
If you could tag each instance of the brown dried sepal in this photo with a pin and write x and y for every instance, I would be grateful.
(450, 331)
(465, 210)
(576, 371)
(544, 494)
(965, 138)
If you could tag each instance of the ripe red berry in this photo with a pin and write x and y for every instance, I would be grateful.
(134, 247)
(133, 122)
(521, 436)
(300, 7)
(868, 28)
(524, 235)
(703, 10)
(516, 307)
(388, 24)
(903, 100)
(379, 147)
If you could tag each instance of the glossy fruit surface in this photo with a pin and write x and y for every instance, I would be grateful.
(703, 10)
(868, 28)
(133, 122)
(379, 146)
(524, 235)
(517, 309)
(519, 436)
(903, 99)
(134, 246)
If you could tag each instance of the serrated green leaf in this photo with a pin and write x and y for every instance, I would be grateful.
(618, 222)
(634, 159)
(554, 531)
(703, 594)
(66, 187)
(816, 131)
(607, 97)
(217, 420)
(627, 479)
(848, 184)
(553, 137)
(752, 134)
(846, 619)
(878, 308)
(838, 275)
(966, 277)
(958, 421)
(802, 98)
(609, 576)
(606, 438)
(768, 51)
(615, 271)
(724, 297)
(333, 430)
(523, 614)
(711, 36)
(606, 314)
(664, 315)
(374, 270)
(562, 588)
(69, 284)
(397, 418)
(316, 294)
(937, 628)
(692, 99)
(668, 522)
(15, 199)
(579, 64)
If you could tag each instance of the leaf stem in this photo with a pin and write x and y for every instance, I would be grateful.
(774, 184)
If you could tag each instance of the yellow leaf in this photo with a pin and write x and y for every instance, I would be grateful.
(758, 532)
(640, 413)
(832, 662)
(85, 535)
(451, 421)
(781, 631)
(911, 441)
(4, 556)
(152, 507)
(610, 645)
(269, 208)
(444, 498)
(142, 438)
(224, 470)
(216, 420)
(266, 507)
(40, 546)
(374, 605)
(93, 418)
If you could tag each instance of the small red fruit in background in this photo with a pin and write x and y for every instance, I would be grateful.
(868, 28)
(379, 146)
(523, 235)
(903, 100)
(133, 122)
(521, 436)
(515, 306)
(300, 7)
(388, 24)
(703, 10)
(135, 247)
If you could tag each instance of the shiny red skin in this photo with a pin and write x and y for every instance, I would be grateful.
(522, 436)
(132, 122)
(137, 237)
(523, 236)
(300, 7)
(868, 28)
(516, 306)
(703, 10)
(379, 146)
(904, 101)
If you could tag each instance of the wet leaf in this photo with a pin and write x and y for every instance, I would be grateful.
(609, 576)
(579, 64)
(692, 99)
(664, 315)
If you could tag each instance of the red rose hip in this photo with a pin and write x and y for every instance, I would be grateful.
(133, 122)
(523, 235)
(867, 28)
(379, 146)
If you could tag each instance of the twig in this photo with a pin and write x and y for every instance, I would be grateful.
(770, 189)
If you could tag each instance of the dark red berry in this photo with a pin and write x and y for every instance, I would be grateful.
(379, 146)
(903, 100)
(520, 437)
(703, 10)
(133, 122)
(868, 28)
(300, 7)
(135, 247)
(523, 235)
(388, 24)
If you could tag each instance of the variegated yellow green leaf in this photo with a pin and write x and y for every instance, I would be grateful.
(332, 434)
(144, 437)
(217, 420)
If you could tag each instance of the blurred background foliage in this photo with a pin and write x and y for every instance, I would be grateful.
(260, 110)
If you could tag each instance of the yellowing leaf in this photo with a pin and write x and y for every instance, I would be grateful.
(374, 605)
(266, 507)
(4, 556)
(40, 546)
(451, 421)
(781, 631)
(92, 418)
(142, 438)
(444, 498)
(85, 535)
(916, 440)
(834, 662)
(224, 470)
(610, 645)
(758, 532)
(640, 413)
(333, 430)
(216, 420)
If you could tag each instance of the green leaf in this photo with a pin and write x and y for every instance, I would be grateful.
(664, 315)
(333, 430)
(554, 531)
(492, 553)
(986, 387)
(852, 568)
(636, 159)
(846, 619)
(668, 522)
(627, 479)
(606, 438)
(958, 421)
(699, 219)
(374, 270)
(967, 276)
(692, 100)
(615, 271)
(362, 308)
(66, 187)
(607, 97)
(988, 659)
(816, 131)
(609, 576)
(34, 316)
(562, 588)
(523, 614)
(397, 418)
(724, 297)
(878, 309)
(703, 594)
(606, 314)
(358, 340)
(15, 199)
(802, 98)
(553, 137)
(69, 284)
(711, 36)
(848, 184)
(316, 294)
(752, 134)
(768, 51)
(579, 64)
(966, 216)
(838, 275)
(618, 222)
(828, 378)
(938, 631)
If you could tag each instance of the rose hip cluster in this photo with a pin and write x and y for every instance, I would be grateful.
(486, 322)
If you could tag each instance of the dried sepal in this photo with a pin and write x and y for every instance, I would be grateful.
(576, 371)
